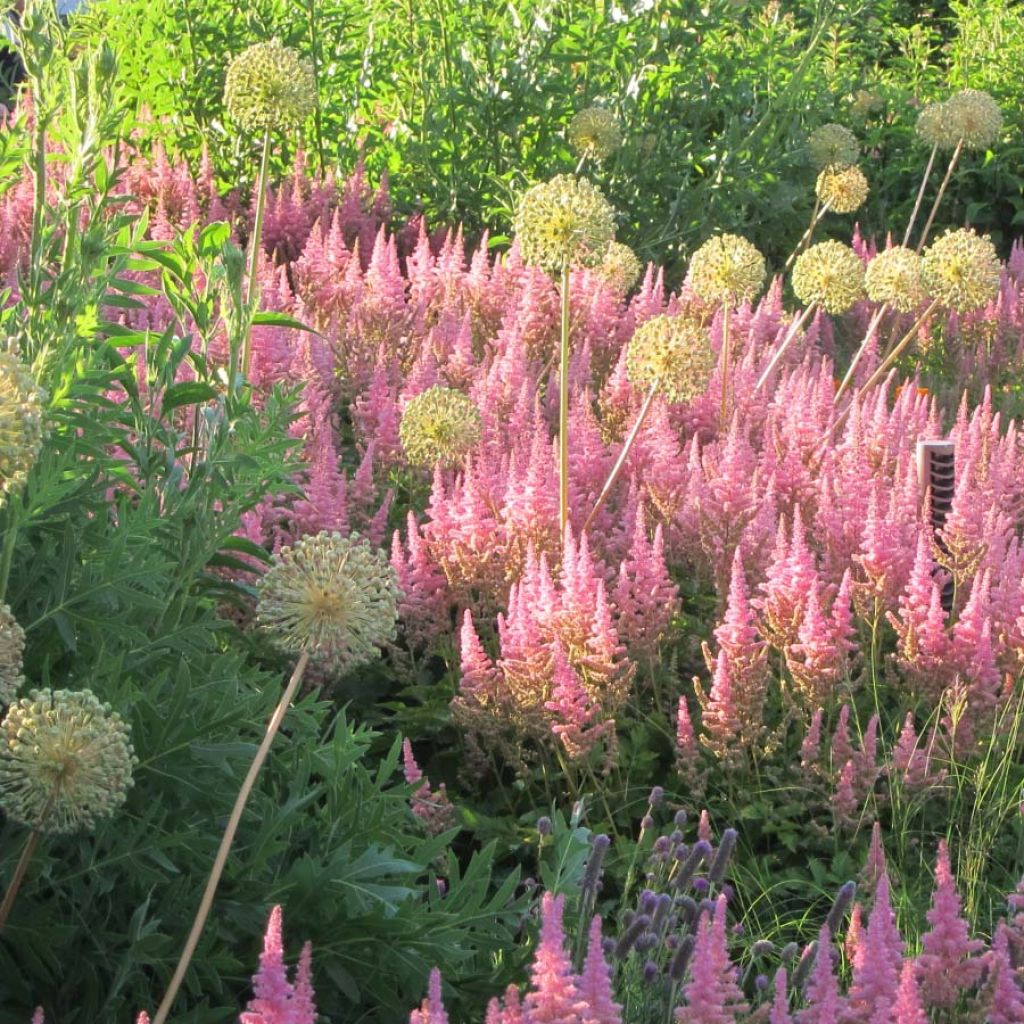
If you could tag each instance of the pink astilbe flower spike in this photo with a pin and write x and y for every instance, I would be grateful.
(143, 1018)
(553, 997)
(37, 1017)
(712, 995)
(780, 1002)
(948, 963)
(908, 1009)
(1006, 997)
(721, 727)
(687, 750)
(879, 958)
(432, 1010)
(823, 1001)
(810, 746)
(595, 983)
(275, 1000)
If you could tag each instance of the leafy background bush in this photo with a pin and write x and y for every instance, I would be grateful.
(463, 103)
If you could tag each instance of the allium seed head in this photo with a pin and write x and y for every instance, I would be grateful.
(961, 270)
(334, 596)
(843, 188)
(620, 268)
(726, 269)
(562, 222)
(439, 425)
(832, 144)
(894, 277)
(934, 126)
(673, 350)
(12, 648)
(864, 102)
(65, 761)
(21, 423)
(268, 87)
(975, 117)
(595, 133)
(830, 274)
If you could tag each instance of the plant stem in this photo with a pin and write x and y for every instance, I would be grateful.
(818, 212)
(723, 412)
(920, 194)
(228, 838)
(19, 875)
(318, 113)
(953, 160)
(563, 407)
(254, 247)
(876, 319)
(621, 460)
(790, 335)
(884, 366)
(10, 539)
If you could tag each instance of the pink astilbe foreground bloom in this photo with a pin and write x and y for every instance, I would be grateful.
(823, 1001)
(432, 1010)
(553, 997)
(432, 807)
(908, 1009)
(949, 962)
(711, 995)
(595, 983)
(1005, 995)
(877, 964)
(275, 999)
(780, 1002)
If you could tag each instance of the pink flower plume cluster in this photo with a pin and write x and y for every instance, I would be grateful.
(276, 1000)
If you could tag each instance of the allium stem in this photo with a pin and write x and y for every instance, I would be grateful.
(817, 213)
(19, 875)
(953, 160)
(884, 367)
(621, 460)
(876, 319)
(563, 406)
(790, 335)
(723, 412)
(254, 248)
(920, 195)
(228, 838)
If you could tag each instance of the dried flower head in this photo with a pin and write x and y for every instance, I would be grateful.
(961, 270)
(865, 102)
(620, 268)
(830, 274)
(595, 133)
(333, 596)
(843, 188)
(894, 277)
(832, 144)
(12, 648)
(673, 350)
(66, 761)
(727, 269)
(934, 127)
(21, 423)
(975, 117)
(439, 425)
(564, 221)
(268, 87)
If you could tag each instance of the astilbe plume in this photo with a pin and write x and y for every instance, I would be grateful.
(1005, 997)
(432, 1011)
(877, 962)
(595, 982)
(711, 995)
(948, 963)
(433, 808)
(823, 1001)
(553, 996)
(276, 1000)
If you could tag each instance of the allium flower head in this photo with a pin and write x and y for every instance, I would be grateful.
(843, 188)
(12, 647)
(564, 221)
(975, 117)
(673, 350)
(620, 268)
(830, 274)
(961, 270)
(832, 144)
(595, 133)
(268, 87)
(865, 102)
(331, 595)
(727, 269)
(894, 277)
(935, 127)
(21, 422)
(439, 425)
(65, 760)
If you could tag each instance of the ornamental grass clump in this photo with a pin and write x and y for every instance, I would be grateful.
(728, 270)
(21, 423)
(12, 649)
(268, 88)
(558, 224)
(330, 599)
(594, 134)
(440, 425)
(66, 763)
